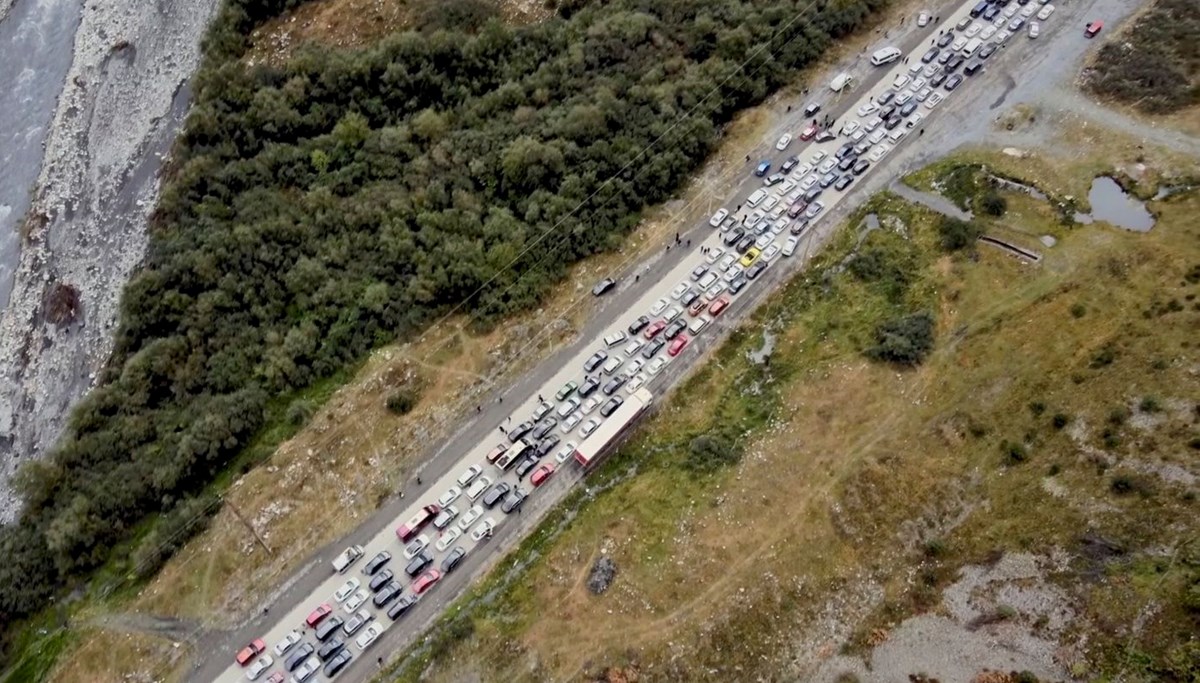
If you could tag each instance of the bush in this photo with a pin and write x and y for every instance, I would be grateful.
(188, 518)
(906, 340)
(709, 452)
(1037, 408)
(957, 235)
(300, 411)
(1149, 404)
(993, 204)
(402, 401)
(1060, 420)
(1014, 452)
(1078, 310)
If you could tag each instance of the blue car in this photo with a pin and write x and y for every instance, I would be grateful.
(762, 169)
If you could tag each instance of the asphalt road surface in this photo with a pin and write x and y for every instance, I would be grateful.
(316, 583)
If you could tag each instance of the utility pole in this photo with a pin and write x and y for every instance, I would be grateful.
(237, 513)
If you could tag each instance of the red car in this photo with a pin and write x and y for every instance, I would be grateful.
(318, 615)
(718, 305)
(810, 132)
(276, 677)
(677, 345)
(496, 452)
(426, 581)
(696, 307)
(424, 516)
(1093, 28)
(541, 474)
(248, 653)
(655, 327)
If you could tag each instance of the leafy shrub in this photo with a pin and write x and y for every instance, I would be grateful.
(1078, 310)
(956, 235)
(993, 204)
(1014, 452)
(1060, 420)
(709, 452)
(906, 340)
(1037, 408)
(1149, 404)
(403, 400)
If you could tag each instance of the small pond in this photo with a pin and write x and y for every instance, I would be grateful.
(1112, 204)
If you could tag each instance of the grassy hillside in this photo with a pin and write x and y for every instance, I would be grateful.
(1055, 423)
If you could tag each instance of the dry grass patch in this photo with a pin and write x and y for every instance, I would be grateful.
(105, 656)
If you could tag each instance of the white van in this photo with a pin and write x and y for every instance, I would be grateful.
(885, 56)
(756, 197)
(971, 46)
(840, 82)
(698, 324)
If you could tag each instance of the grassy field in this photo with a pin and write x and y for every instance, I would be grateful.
(1059, 401)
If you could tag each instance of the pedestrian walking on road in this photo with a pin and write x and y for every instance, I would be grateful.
(418, 480)
(689, 242)
(739, 207)
(921, 133)
(937, 20)
(479, 409)
(501, 428)
(539, 398)
(747, 158)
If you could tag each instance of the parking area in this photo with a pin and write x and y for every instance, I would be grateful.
(403, 575)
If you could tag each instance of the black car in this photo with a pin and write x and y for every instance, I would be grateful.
(887, 112)
(652, 348)
(525, 467)
(402, 606)
(844, 182)
(953, 82)
(738, 283)
(844, 151)
(614, 385)
(381, 579)
(595, 361)
(990, 13)
(544, 427)
(588, 386)
(938, 78)
(930, 55)
(514, 501)
(454, 559)
(811, 195)
(755, 268)
(799, 225)
(674, 329)
(946, 38)
(861, 166)
(987, 50)
(828, 179)
(610, 406)
(328, 650)
(744, 244)
(697, 273)
(639, 325)
(847, 163)
(389, 593)
(789, 164)
(335, 665)
(546, 445)
(603, 286)
(812, 109)
(495, 494)
(893, 122)
(731, 238)
(301, 653)
(885, 97)
(515, 433)
(973, 68)
(418, 564)
(908, 108)
(953, 64)
(377, 563)
(328, 627)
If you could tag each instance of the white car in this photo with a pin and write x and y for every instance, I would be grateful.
(714, 254)
(917, 84)
(306, 670)
(718, 217)
(770, 252)
(784, 142)
(635, 383)
(904, 96)
(879, 152)
(1000, 21)
(973, 30)
(347, 558)
(672, 313)
(572, 403)
(566, 452)
(785, 188)
(959, 43)
(484, 529)
(915, 120)
(680, 290)
(934, 100)
(756, 197)
(613, 339)
(588, 427)
(1045, 12)
(469, 475)
(589, 405)
(449, 536)
(369, 636)
(415, 546)
(990, 30)
(849, 128)
(656, 365)
(900, 82)
(451, 494)
(631, 348)
(726, 261)
(259, 666)
(868, 108)
(476, 490)
(1011, 11)
(1029, 10)
(923, 19)
(542, 409)
(708, 280)
(659, 306)
(809, 181)
(1003, 36)
(930, 69)
(828, 165)
(923, 94)
(1035, 29)
(789, 247)
(289, 641)
(770, 203)
(347, 589)
(734, 271)
(915, 68)
(470, 517)
(570, 422)
(872, 123)
(858, 135)
(763, 240)
(876, 136)
(715, 291)
(816, 157)
(355, 601)
(634, 366)
(802, 170)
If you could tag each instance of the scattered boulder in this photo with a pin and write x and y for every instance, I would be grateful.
(602, 575)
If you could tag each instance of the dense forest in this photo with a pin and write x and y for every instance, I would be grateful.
(320, 208)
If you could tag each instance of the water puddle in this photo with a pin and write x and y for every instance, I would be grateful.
(1113, 205)
(761, 355)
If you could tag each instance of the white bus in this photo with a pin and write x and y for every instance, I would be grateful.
(609, 431)
(512, 455)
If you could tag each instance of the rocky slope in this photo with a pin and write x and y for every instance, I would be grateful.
(121, 105)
